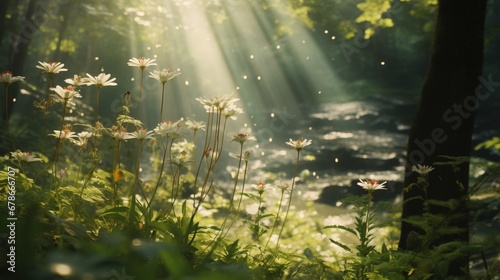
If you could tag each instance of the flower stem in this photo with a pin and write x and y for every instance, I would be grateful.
(231, 203)
(367, 220)
(97, 106)
(260, 211)
(174, 187)
(46, 113)
(276, 219)
(135, 187)
(205, 147)
(7, 117)
(241, 197)
(140, 92)
(215, 155)
(162, 97)
(96, 118)
(51, 78)
(59, 144)
(364, 239)
(289, 198)
(165, 150)
(115, 168)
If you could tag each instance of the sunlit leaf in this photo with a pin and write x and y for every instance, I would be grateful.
(341, 245)
(348, 229)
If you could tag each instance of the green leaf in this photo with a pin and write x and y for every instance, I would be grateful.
(308, 253)
(115, 210)
(184, 211)
(260, 217)
(419, 222)
(253, 197)
(121, 119)
(348, 229)
(450, 204)
(216, 228)
(488, 144)
(341, 245)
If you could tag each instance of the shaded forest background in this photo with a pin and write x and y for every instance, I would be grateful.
(371, 47)
(354, 39)
(360, 49)
(355, 36)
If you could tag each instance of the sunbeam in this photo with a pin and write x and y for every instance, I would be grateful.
(238, 50)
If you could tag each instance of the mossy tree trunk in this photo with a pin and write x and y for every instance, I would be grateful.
(444, 123)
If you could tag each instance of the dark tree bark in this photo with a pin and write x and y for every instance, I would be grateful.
(19, 43)
(3, 12)
(444, 122)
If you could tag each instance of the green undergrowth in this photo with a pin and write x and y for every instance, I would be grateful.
(118, 201)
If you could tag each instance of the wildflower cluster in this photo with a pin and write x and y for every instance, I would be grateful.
(299, 144)
(176, 151)
(164, 75)
(65, 94)
(101, 80)
(371, 185)
(24, 156)
(154, 184)
(7, 78)
(51, 67)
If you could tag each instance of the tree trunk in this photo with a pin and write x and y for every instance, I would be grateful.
(3, 12)
(64, 20)
(444, 122)
(19, 47)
